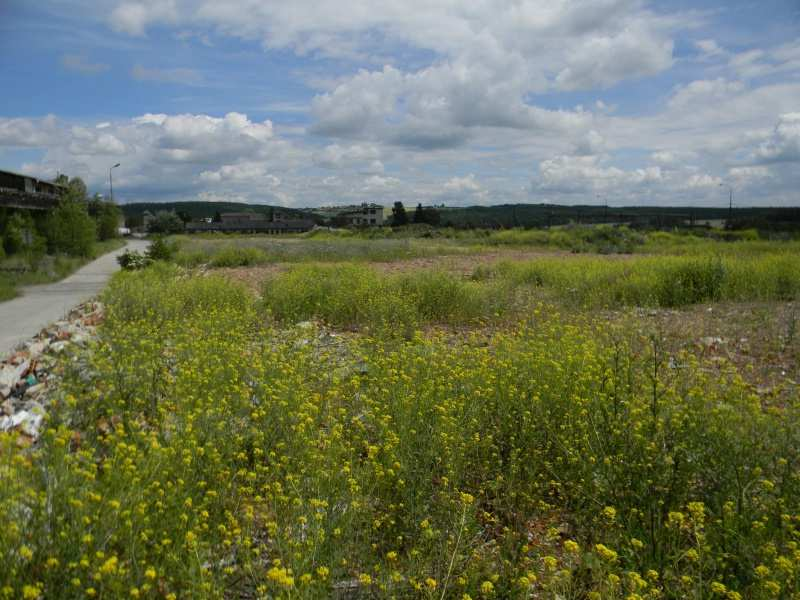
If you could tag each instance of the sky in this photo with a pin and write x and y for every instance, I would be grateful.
(319, 102)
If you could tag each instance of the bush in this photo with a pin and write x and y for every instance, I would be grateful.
(166, 222)
(161, 249)
(132, 260)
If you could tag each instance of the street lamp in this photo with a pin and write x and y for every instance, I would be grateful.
(730, 203)
(111, 183)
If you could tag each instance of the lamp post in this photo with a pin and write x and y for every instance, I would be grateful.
(730, 203)
(111, 183)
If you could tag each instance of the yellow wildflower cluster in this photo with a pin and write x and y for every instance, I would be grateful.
(197, 450)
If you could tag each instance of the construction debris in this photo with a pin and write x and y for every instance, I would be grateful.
(27, 375)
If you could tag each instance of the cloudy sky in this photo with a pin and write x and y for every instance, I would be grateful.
(303, 103)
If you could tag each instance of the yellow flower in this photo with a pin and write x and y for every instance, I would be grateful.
(571, 547)
(487, 588)
(605, 552)
(430, 583)
(365, 579)
(718, 588)
(30, 592)
(110, 566)
(26, 553)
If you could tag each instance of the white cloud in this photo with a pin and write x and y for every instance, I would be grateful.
(175, 153)
(784, 143)
(571, 174)
(179, 75)
(602, 61)
(703, 180)
(31, 133)
(378, 182)
(705, 92)
(487, 57)
(134, 17)
(81, 64)
(363, 157)
(462, 184)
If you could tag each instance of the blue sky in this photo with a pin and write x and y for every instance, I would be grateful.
(309, 103)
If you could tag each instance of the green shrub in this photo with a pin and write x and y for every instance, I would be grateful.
(238, 256)
(157, 294)
(161, 249)
(690, 282)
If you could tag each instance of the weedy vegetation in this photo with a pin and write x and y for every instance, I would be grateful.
(418, 434)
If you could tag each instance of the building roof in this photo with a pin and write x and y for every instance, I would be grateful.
(242, 215)
(252, 225)
(7, 172)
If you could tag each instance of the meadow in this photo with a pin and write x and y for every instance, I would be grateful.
(359, 426)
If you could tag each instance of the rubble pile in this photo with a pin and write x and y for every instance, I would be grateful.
(29, 373)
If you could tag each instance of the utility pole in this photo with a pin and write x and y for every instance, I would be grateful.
(111, 183)
(729, 224)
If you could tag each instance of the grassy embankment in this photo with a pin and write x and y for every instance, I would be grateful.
(211, 449)
(16, 271)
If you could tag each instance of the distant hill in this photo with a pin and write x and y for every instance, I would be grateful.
(543, 215)
(519, 215)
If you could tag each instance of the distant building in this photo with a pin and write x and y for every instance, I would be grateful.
(364, 215)
(28, 192)
(248, 222)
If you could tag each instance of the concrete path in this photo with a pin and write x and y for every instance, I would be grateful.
(39, 305)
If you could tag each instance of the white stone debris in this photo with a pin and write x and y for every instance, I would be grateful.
(27, 373)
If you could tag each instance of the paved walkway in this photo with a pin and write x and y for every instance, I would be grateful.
(39, 305)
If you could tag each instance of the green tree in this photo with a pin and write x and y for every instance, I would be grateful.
(14, 239)
(419, 214)
(108, 219)
(77, 188)
(166, 222)
(399, 216)
(70, 229)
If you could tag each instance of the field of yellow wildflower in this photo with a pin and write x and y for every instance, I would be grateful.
(347, 434)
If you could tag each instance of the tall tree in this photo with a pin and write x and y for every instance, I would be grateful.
(399, 216)
(419, 214)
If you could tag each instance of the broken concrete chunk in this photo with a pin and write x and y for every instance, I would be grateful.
(10, 374)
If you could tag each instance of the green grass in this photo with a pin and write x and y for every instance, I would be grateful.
(18, 271)
(356, 295)
(246, 251)
(666, 281)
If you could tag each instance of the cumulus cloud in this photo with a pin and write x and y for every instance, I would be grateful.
(30, 133)
(363, 157)
(602, 61)
(487, 57)
(784, 143)
(462, 184)
(174, 153)
(705, 92)
(571, 174)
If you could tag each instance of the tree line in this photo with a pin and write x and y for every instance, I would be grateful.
(427, 215)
